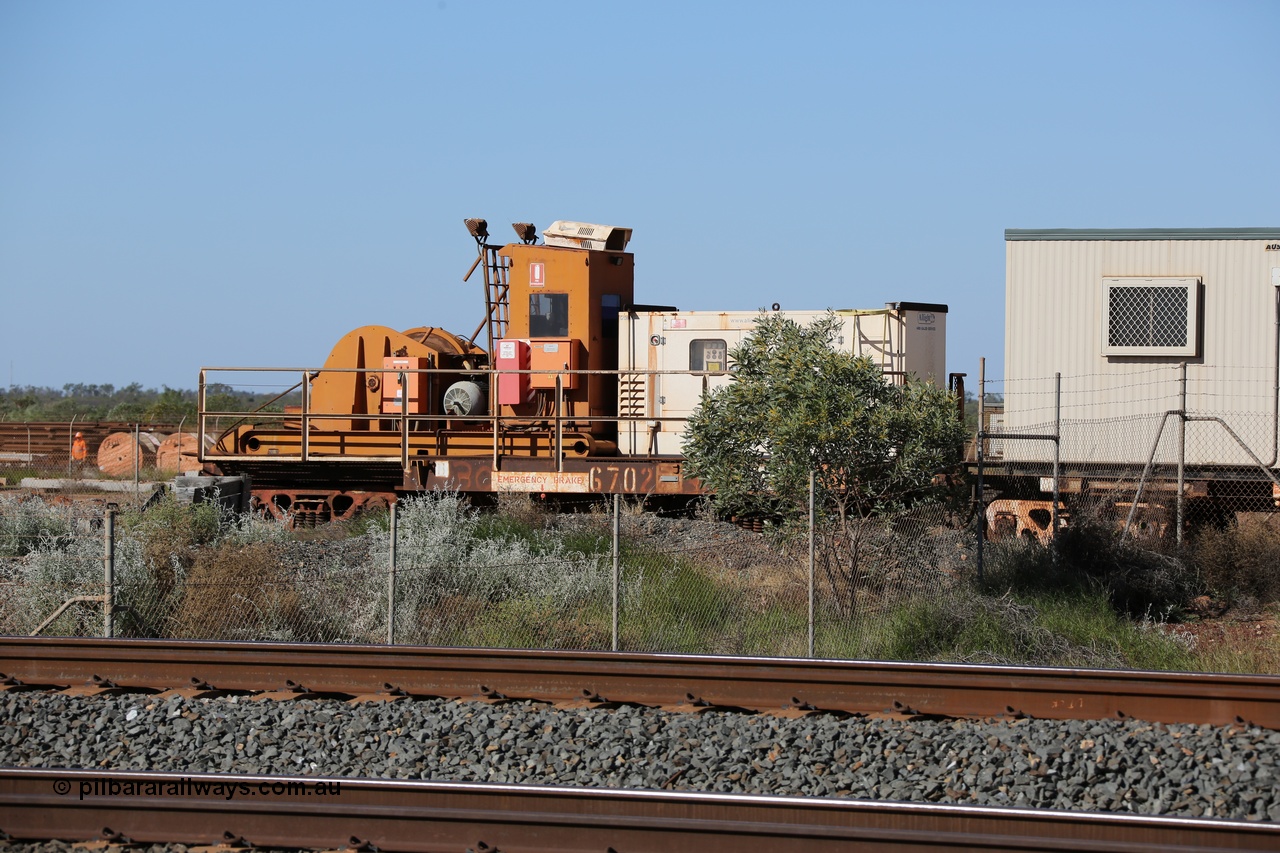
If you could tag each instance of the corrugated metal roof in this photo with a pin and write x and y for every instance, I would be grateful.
(1142, 234)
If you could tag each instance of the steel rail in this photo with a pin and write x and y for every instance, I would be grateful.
(756, 684)
(371, 814)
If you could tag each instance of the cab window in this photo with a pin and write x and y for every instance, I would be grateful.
(548, 315)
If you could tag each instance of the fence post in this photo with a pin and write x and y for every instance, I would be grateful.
(812, 525)
(1182, 446)
(137, 460)
(982, 510)
(1057, 455)
(391, 583)
(109, 574)
(617, 566)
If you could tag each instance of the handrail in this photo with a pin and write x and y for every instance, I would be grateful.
(306, 424)
(494, 422)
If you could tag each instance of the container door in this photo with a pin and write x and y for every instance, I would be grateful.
(701, 359)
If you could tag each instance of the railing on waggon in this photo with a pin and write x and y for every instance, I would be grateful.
(639, 398)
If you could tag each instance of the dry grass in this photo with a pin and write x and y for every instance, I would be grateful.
(1241, 562)
(1236, 645)
(234, 592)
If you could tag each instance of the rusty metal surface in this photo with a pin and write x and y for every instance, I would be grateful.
(340, 492)
(1029, 519)
(609, 475)
(291, 812)
(758, 684)
(307, 507)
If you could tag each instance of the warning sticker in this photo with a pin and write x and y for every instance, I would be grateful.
(537, 274)
(541, 481)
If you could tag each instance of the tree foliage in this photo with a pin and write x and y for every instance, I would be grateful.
(971, 409)
(797, 405)
(132, 403)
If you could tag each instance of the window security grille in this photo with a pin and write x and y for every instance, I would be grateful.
(1150, 317)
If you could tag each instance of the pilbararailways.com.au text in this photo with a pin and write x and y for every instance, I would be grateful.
(198, 788)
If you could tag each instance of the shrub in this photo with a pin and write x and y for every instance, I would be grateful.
(453, 565)
(62, 567)
(1137, 581)
(170, 535)
(247, 591)
(670, 605)
(26, 522)
(1240, 561)
(1053, 630)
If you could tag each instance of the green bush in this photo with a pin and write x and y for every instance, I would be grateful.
(1136, 581)
(669, 605)
(1051, 630)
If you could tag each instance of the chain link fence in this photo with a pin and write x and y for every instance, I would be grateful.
(109, 462)
(1194, 452)
(46, 549)
(516, 577)
(1160, 452)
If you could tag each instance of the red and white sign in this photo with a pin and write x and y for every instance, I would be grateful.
(537, 274)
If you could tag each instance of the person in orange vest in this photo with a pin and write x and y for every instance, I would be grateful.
(79, 450)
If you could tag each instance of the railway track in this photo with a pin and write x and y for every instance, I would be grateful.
(672, 681)
(119, 806)
(273, 811)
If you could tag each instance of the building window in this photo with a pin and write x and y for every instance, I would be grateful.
(708, 355)
(1151, 316)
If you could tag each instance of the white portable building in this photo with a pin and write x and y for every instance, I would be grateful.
(668, 358)
(1116, 312)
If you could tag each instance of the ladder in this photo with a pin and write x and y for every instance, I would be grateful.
(880, 349)
(497, 293)
(497, 296)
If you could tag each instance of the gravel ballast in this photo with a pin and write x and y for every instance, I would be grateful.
(1129, 766)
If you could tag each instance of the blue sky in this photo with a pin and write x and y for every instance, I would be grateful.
(217, 184)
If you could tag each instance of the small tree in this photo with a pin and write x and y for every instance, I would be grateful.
(797, 405)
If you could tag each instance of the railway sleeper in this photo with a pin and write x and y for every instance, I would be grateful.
(230, 842)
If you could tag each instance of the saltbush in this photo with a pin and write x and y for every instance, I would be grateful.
(25, 523)
(487, 579)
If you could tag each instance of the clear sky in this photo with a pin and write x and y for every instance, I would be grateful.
(215, 184)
